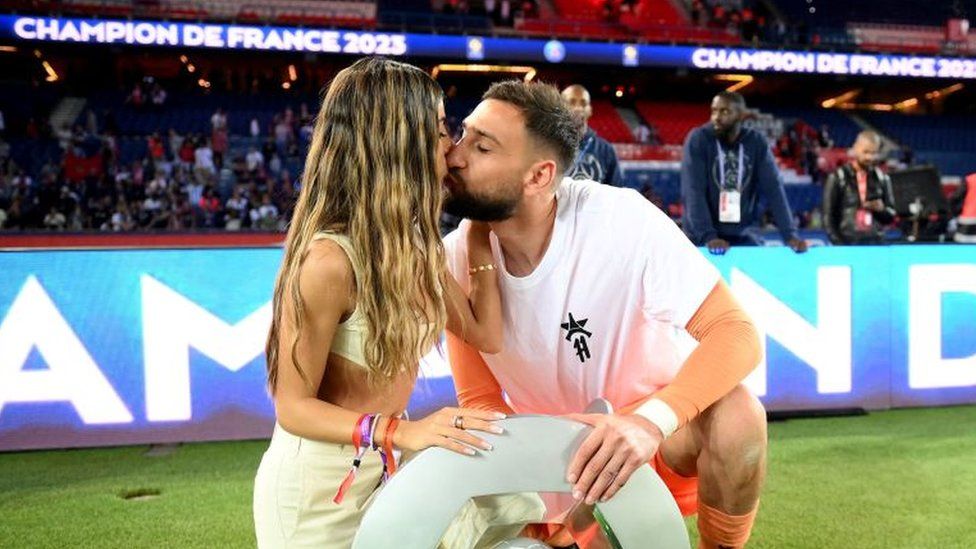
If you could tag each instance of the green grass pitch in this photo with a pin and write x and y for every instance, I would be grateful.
(896, 479)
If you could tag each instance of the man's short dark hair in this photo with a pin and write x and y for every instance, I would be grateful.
(734, 98)
(547, 118)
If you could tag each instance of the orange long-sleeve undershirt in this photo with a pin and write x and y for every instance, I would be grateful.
(727, 352)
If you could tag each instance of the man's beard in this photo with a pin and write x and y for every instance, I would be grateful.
(461, 203)
(726, 133)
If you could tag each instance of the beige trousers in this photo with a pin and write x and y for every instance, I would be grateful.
(294, 487)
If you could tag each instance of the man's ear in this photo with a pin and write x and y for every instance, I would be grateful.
(540, 177)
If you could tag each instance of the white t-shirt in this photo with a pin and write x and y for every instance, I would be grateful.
(204, 158)
(599, 315)
(254, 159)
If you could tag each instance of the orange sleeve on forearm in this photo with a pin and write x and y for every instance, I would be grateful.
(727, 352)
(476, 386)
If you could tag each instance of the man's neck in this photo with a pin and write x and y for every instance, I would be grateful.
(731, 137)
(524, 238)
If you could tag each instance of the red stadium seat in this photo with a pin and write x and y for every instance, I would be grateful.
(607, 123)
(673, 120)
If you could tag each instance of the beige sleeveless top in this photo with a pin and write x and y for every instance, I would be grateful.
(349, 336)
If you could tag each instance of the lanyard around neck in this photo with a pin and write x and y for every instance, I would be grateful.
(721, 167)
(584, 148)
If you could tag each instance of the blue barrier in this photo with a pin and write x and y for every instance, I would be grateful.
(134, 346)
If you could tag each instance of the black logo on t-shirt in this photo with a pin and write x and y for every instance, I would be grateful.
(577, 334)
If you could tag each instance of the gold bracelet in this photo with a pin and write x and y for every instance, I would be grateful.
(481, 268)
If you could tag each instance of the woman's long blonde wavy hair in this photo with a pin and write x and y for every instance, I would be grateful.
(370, 174)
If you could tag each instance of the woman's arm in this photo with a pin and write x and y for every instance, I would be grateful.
(477, 317)
(326, 284)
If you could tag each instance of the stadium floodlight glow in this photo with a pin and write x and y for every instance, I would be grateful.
(741, 81)
(840, 100)
(631, 55)
(906, 104)
(52, 76)
(882, 107)
(476, 48)
(528, 73)
(555, 51)
(944, 91)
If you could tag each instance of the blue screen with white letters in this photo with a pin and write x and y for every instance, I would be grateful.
(107, 347)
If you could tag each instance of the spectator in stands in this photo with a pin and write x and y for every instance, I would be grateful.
(158, 96)
(265, 217)
(823, 137)
(724, 168)
(283, 134)
(14, 215)
(275, 164)
(55, 220)
(505, 16)
(642, 134)
(596, 158)
(255, 128)
(64, 136)
(237, 203)
(175, 144)
(154, 214)
(218, 120)
(68, 199)
(76, 221)
(305, 135)
(154, 144)
(3, 217)
(181, 214)
(187, 156)
(121, 219)
(233, 222)
(136, 98)
(99, 212)
(194, 191)
(204, 159)
(857, 197)
(218, 136)
(254, 161)
(210, 206)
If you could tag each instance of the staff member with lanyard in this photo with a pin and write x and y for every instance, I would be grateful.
(723, 169)
(596, 159)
